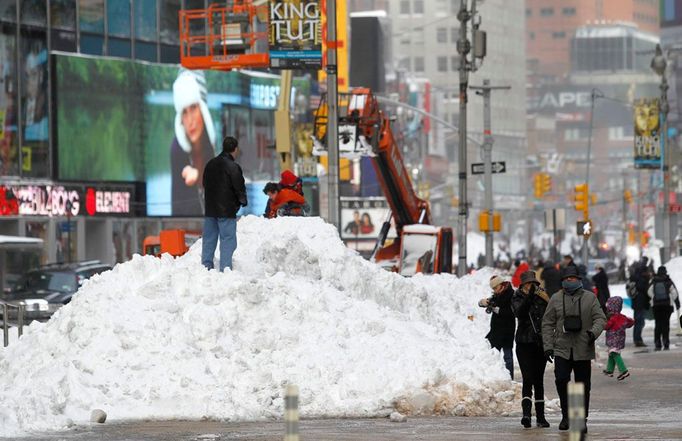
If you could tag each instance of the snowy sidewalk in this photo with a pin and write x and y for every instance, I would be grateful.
(645, 406)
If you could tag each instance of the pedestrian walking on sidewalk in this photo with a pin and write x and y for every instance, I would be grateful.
(571, 324)
(640, 279)
(664, 297)
(502, 321)
(529, 304)
(615, 336)
(224, 194)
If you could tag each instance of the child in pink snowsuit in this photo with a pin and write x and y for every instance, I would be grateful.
(615, 336)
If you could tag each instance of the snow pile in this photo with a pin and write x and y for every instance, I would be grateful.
(164, 338)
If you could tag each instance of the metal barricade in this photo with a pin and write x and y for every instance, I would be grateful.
(5, 320)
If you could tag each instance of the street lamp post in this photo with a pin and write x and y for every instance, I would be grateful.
(659, 65)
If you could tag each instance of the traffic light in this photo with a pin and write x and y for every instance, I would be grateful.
(627, 195)
(542, 184)
(537, 185)
(593, 199)
(582, 199)
(546, 183)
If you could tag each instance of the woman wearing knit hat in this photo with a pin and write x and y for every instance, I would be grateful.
(502, 320)
(193, 144)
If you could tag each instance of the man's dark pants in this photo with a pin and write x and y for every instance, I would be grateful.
(639, 325)
(582, 370)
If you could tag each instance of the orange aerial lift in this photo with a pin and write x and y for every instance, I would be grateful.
(420, 246)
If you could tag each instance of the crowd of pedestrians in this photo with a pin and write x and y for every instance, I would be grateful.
(556, 313)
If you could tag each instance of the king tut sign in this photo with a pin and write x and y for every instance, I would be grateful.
(295, 34)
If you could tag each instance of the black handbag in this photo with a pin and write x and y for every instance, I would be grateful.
(572, 323)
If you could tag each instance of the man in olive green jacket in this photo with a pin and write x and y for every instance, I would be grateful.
(571, 324)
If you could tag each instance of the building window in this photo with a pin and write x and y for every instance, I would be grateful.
(454, 63)
(405, 7)
(419, 64)
(442, 64)
(568, 11)
(418, 6)
(547, 12)
(560, 34)
(145, 20)
(91, 16)
(529, 12)
(531, 35)
(169, 32)
(118, 19)
(442, 35)
(454, 34)
(405, 64)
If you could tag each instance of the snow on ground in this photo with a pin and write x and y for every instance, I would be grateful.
(165, 338)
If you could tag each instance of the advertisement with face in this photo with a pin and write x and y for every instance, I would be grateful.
(362, 218)
(121, 120)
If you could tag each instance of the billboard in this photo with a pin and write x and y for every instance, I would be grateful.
(68, 200)
(127, 121)
(648, 141)
(362, 218)
(295, 34)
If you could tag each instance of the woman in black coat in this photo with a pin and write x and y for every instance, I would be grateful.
(529, 304)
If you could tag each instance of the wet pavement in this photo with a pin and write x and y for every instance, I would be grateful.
(647, 406)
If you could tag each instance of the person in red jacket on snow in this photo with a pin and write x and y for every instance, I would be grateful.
(615, 336)
(521, 267)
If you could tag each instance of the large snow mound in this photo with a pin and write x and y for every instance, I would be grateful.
(166, 339)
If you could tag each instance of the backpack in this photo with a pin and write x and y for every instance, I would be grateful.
(661, 294)
(631, 289)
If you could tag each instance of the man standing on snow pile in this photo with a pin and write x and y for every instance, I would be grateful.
(224, 194)
(502, 321)
(571, 324)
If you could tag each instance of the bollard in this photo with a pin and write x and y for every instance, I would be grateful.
(576, 411)
(5, 330)
(20, 320)
(291, 413)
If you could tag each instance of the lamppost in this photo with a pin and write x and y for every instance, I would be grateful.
(659, 65)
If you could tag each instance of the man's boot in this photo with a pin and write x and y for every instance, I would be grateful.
(540, 414)
(526, 405)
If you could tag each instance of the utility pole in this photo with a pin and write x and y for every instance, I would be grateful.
(659, 65)
(593, 95)
(332, 117)
(487, 163)
(464, 47)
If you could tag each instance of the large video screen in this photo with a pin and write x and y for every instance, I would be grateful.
(123, 120)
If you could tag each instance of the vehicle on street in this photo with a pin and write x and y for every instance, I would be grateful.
(47, 288)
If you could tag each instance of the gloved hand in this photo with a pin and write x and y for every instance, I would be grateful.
(549, 355)
(590, 338)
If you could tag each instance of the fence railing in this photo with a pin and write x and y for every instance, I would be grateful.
(6, 306)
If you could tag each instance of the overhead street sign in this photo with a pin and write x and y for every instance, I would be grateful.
(478, 168)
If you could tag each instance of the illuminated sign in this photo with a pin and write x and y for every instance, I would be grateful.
(58, 200)
(264, 96)
(97, 201)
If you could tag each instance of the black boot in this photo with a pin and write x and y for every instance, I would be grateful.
(526, 405)
(540, 414)
(563, 425)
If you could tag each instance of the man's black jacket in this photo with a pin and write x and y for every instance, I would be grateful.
(224, 188)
